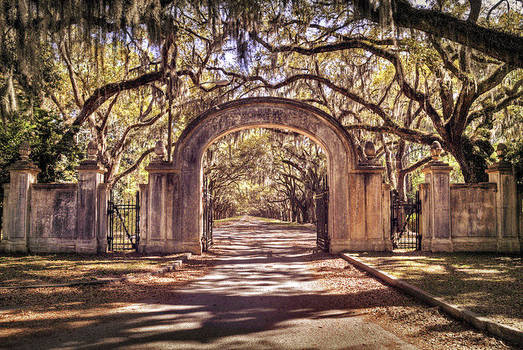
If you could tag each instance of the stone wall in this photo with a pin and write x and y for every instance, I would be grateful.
(52, 218)
(469, 217)
(369, 211)
(520, 213)
(473, 217)
(3, 235)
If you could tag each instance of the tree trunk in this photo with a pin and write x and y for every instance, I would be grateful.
(401, 186)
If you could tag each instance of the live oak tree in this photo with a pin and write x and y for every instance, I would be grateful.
(121, 83)
(406, 74)
(455, 91)
(262, 172)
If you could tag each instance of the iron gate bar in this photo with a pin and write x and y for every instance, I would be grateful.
(321, 202)
(405, 233)
(123, 218)
(207, 239)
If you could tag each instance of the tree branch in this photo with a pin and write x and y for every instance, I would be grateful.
(502, 46)
(408, 134)
(416, 165)
(133, 167)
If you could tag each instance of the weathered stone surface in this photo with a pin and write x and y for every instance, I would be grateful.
(16, 216)
(506, 203)
(102, 202)
(425, 223)
(185, 226)
(90, 176)
(473, 218)
(158, 199)
(436, 207)
(3, 233)
(469, 217)
(53, 218)
(144, 215)
(473, 210)
(367, 212)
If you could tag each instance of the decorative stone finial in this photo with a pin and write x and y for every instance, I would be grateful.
(370, 150)
(24, 151)
(436, 150)
(159, 150)
(501, 151)
(92, 150)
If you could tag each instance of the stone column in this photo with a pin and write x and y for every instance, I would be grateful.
(163, 184)
(436, 204)
(101, 234)
(16, 219)
(502, 175)
(368, 209)
(90, 176)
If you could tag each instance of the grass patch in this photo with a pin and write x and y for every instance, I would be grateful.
(488, 284)
(226, 221)
(18, 270)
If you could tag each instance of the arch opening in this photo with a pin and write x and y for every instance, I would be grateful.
(270, 173)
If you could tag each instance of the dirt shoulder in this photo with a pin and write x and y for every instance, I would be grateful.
(416, 323)
(26, 314)
(28, 270)
(490, 285)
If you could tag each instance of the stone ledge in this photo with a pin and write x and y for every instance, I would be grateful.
(481, 185)
(54, 186)
(481, 323)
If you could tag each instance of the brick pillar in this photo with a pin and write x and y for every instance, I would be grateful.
(90, 177)
(502, 175)
(16, 219)
(436, 204)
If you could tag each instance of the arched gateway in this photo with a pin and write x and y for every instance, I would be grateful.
(171, 201)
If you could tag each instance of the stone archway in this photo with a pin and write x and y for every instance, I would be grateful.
(173, 196)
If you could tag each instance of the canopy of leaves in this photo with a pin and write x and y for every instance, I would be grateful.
(270, 173)
(400, 73)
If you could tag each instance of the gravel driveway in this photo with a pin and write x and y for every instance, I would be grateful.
(268, 290)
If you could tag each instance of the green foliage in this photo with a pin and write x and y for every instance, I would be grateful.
(268, 173)
(477, 152)
(57, 164)
(42, 132)
(515, 157)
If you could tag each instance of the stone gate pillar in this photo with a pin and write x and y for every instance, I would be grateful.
(16, 219)
(369, 209)
(158, 206)
(90, 177)
(435, 196)
(502, 175)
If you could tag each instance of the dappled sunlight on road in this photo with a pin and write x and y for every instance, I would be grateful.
(261, 294)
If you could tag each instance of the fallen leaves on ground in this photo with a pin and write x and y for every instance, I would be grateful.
(24, 270)
(488, 284)
(416, 323)
(27, 314)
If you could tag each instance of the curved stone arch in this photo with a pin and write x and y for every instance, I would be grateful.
(266, 112)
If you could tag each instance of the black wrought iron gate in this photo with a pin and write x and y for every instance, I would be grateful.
(404, 223)
(207, 240)
(321, 202)
(124, 224)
